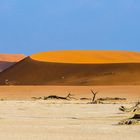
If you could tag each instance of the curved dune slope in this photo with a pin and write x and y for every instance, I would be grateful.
(7, 60)
(88, 57)
(32, 72)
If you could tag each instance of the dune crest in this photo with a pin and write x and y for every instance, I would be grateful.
(88, 56)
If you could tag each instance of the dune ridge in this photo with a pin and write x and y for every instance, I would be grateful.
(88, 56)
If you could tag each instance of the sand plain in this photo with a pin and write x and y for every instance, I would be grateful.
(22, 118)
(38, 120)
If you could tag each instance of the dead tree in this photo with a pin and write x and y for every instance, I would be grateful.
(137, 104)
(131, 121)
(136, 116)
(68, 97)
(131, 109)
(94, 95)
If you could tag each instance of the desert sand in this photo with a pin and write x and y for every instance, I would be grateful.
(38, 120)
(33, 72)
(27, 92)
(25, 115)
(75, 68)
(23, 118)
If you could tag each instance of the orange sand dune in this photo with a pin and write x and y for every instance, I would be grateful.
(32, 72)
(11, 57)
(7, 60)
(88, 56)
(75, 68)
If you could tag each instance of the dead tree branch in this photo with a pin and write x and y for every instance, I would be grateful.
(94, 95)
(68, 97)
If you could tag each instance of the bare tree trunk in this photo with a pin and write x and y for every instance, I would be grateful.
(94, 95)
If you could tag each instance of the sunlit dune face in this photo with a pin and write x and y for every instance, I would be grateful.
(11, 57)
(88, 57)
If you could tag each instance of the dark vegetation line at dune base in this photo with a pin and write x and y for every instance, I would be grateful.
(32, 72)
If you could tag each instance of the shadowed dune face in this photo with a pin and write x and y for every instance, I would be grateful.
(7, 60)
(88, 57)
(4, 65)
(32, 72)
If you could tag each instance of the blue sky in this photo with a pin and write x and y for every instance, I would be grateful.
(30, 26)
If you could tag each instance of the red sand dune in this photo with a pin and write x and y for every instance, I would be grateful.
(7, 60)
(76, 68)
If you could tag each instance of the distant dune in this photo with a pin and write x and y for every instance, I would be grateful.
(7, 60)
(88, 57)
(41, 70)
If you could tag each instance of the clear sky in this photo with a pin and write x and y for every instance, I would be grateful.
(30, 26)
